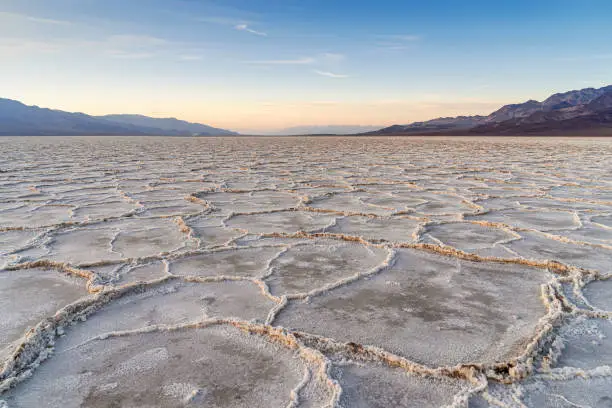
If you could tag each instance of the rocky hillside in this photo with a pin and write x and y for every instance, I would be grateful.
(574, 112)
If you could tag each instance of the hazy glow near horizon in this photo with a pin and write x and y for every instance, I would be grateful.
(254, 65)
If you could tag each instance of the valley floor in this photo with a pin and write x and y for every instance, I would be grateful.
(305, 272)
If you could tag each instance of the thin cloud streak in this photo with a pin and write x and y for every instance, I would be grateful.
(333, 57)
(329, 74)
(131, 40)
(119, 46)
(221, 20)
(34, 19)
(48, 21)
(401, 37)
(129, 46)
(244, 27)
(299, 61)
(18, 46)
(396, 42)
(191, 58)
(130, 55)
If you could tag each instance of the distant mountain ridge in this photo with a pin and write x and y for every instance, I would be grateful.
(18, 119)
(595, 114)
(586, 110)
(434, 125)
(173, 125)
(555, 102)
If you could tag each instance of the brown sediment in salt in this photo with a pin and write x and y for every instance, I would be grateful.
(540, 220)
(467, 237)
(389, 229)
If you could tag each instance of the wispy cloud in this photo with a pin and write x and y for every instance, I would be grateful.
(402, 37)
(244, 27)
(130, 55)
(326, 64)
(48, 21)
(331, 58)
(34, 19)
(220, 20)
(134, 40)
(18, 46)
(329, 74)
(191, 58)
(119, 46)
(132, 46)
(298, 61)
(396, 42)
(237, 24)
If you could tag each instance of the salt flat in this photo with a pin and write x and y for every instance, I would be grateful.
(305, 272)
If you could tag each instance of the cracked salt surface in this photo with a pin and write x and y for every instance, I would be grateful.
(280, 272)
(215, 366)
(475, 312)
(378, 386)
(27, 297)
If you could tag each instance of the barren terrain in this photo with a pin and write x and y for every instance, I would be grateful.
(305, 272)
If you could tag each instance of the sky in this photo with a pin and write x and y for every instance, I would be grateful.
(260, 65)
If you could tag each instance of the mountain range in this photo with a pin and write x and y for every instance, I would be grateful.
(580, 112)
(17, 119)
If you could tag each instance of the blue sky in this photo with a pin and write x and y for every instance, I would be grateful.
(268, 64)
